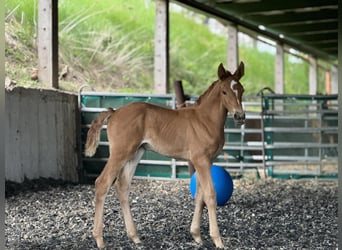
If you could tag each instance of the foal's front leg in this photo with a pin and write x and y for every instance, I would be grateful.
(209, 198)
(196, 219)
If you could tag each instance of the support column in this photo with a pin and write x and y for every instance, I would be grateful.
(48, 42)
(233, 48)
(334, 79)
(339, 75)
(327, 82)
(161, 47)
(279, 70)
(313, 76)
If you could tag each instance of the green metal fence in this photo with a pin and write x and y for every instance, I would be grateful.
(300, 135)
(284, 136)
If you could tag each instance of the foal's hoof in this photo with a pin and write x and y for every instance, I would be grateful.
(218, 243)
(100, 243)
(196, 235)
(136, 240)
(197, 239)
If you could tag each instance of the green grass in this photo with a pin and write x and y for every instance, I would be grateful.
(109, 44)
(195, 54)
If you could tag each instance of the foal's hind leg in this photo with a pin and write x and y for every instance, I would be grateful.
(122, 186)
(102, 186)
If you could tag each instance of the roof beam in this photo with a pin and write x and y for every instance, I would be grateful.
(315, 32)
(310, 27)
(271, 5)
(296, 18)
(314, 37)
(289, 11)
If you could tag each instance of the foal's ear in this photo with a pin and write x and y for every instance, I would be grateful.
(240, 71)
(221, 72)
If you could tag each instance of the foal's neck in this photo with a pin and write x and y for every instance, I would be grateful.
(211, 107)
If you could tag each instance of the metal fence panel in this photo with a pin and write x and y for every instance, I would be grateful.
(300, 135)
(281, 131)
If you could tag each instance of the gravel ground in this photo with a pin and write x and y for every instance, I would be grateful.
(271, 214)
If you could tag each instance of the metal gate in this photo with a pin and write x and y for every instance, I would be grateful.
(257, 147)
(301, 135)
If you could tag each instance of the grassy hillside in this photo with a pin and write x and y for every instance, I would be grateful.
(110, 43)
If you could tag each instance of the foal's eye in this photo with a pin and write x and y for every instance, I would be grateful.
(224, 92)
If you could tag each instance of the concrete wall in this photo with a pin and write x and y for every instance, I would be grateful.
(41, 135)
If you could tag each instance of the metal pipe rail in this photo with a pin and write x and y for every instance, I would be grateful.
(300, 130)
(256, 146)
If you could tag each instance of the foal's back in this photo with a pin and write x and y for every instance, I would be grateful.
(157, 128)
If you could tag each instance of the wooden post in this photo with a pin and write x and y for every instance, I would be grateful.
(233, 48)
(161, 47)
(180, 98)
(327, 82)
(279, 70)
(48, 42)
(334, 79)
(313, 76)
(313, 81)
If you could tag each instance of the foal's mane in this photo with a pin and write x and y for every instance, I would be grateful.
(206, 92)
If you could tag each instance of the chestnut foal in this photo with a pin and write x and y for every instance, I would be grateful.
(195, 133)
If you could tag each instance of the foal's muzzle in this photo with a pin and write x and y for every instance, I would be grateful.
(239, 118)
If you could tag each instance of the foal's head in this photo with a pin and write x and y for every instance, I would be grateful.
(231, 92)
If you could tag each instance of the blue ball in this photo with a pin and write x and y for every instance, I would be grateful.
(222, 181)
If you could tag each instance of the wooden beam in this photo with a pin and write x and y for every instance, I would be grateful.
(233, 48)
(161, 47)
(313, 76)
(334, 80)
(270, 6)
(293, 18)
(279, 70)
(48, 42)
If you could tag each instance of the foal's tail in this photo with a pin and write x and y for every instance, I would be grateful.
(93, 136)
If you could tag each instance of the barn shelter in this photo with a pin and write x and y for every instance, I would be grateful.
(65, 117)
(251, 17)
